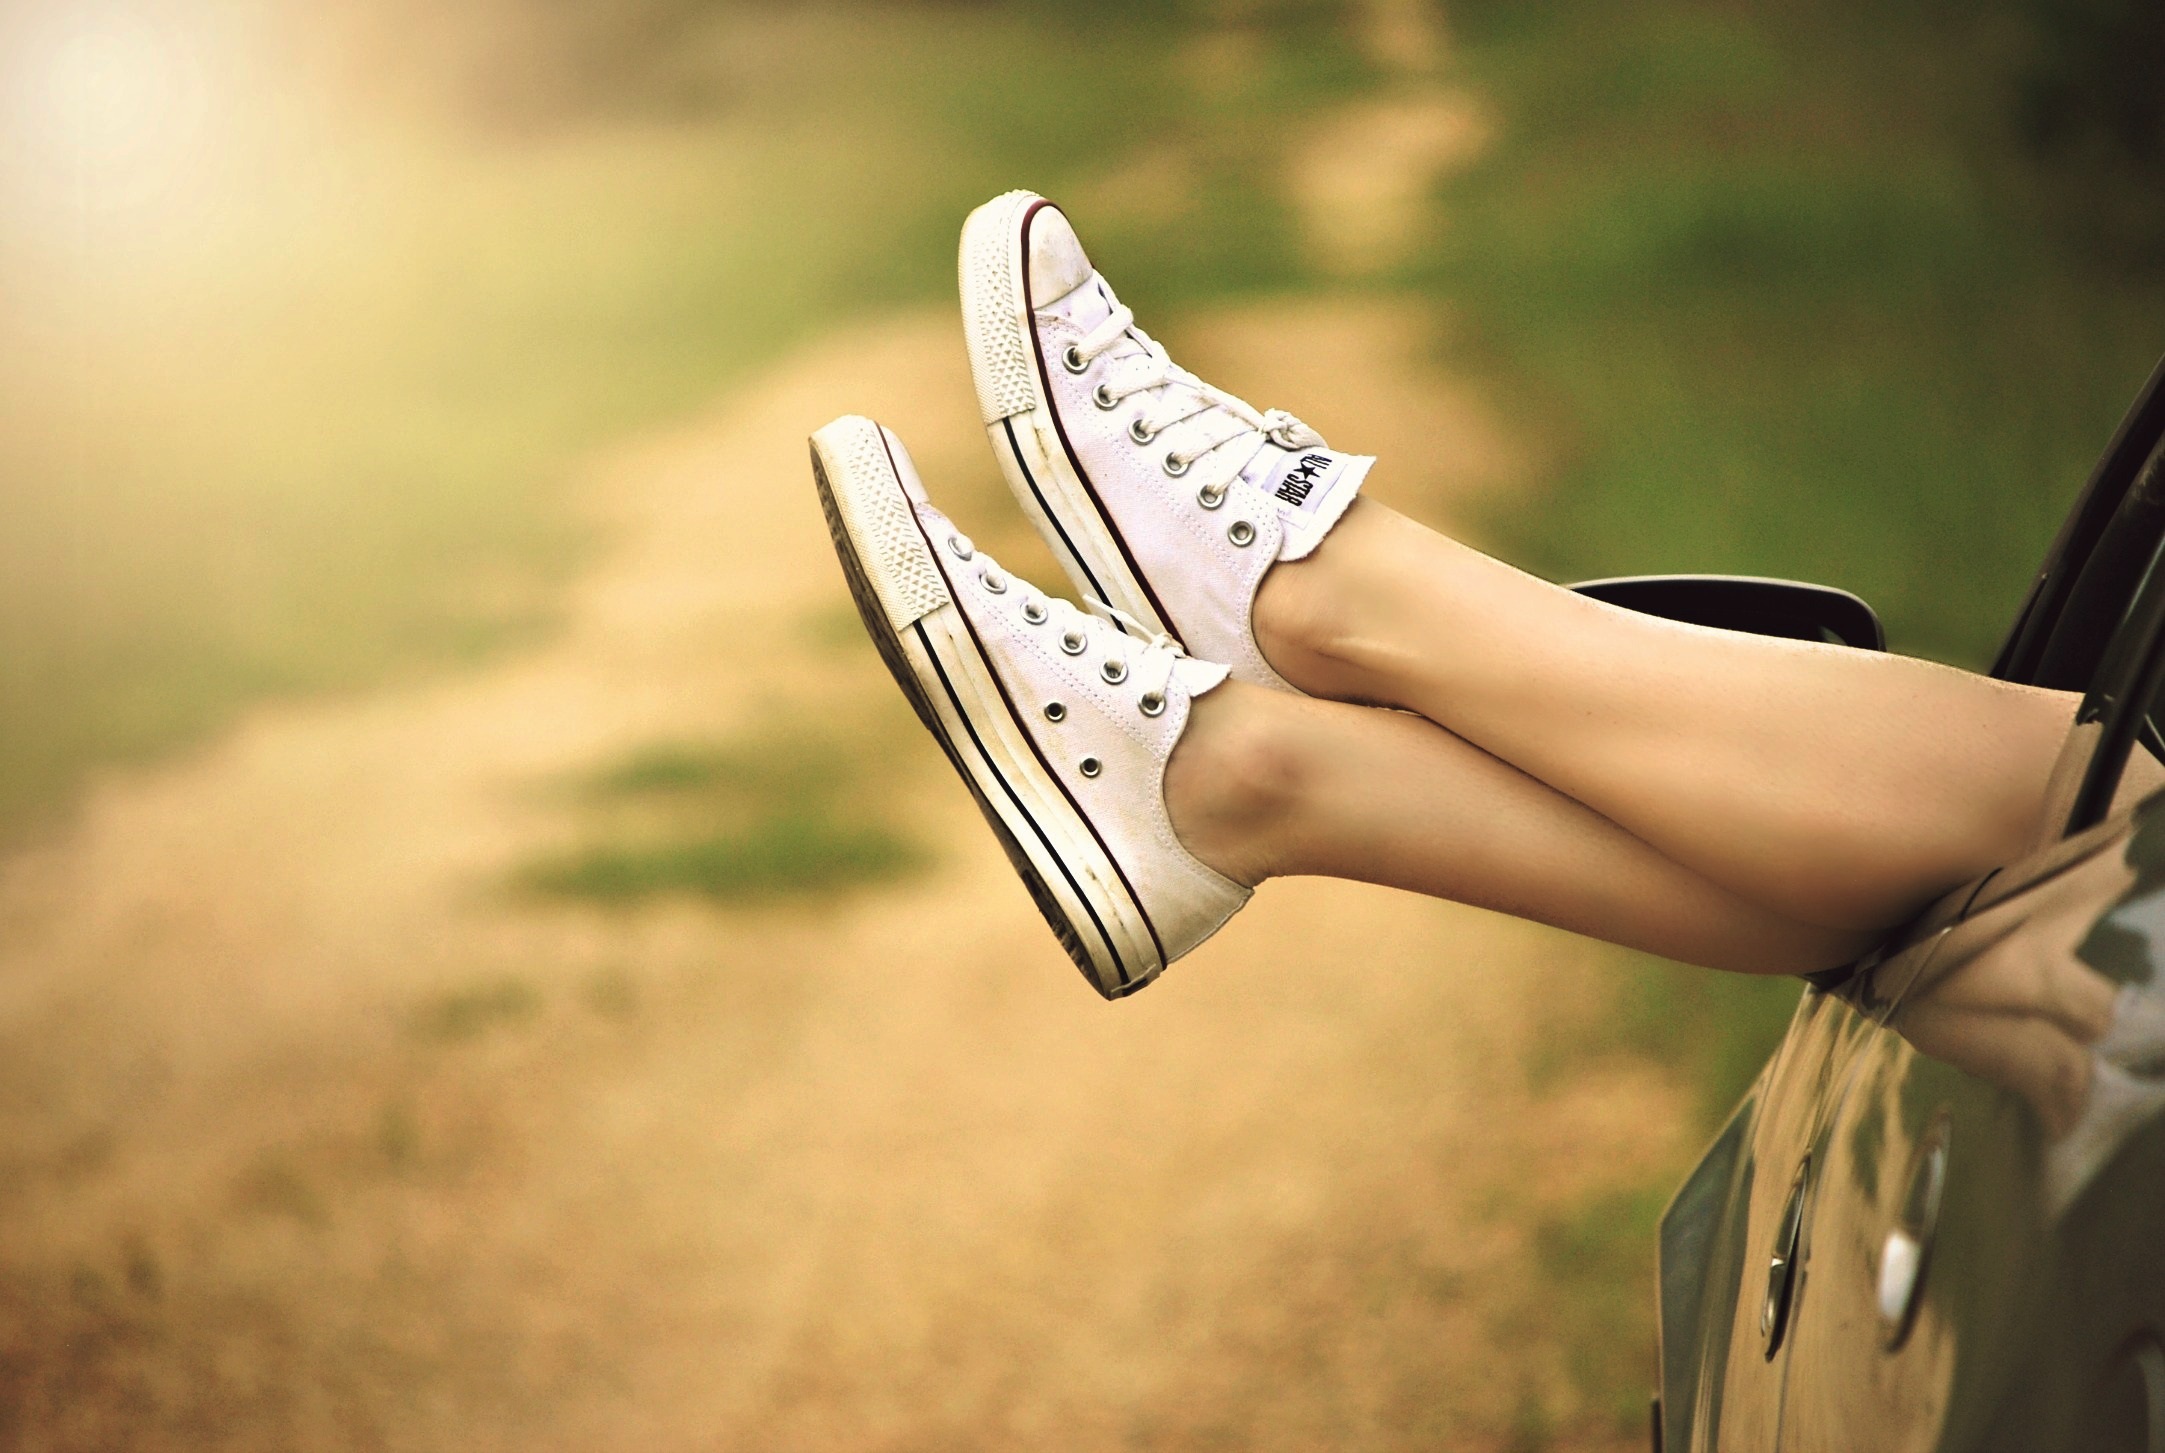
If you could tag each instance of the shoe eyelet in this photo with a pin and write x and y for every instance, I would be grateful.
(1152, 703)
(1072, 360)
(1175, 465)
(1055, 711)
(1103, 398)
(960, 547)
(1138, 433)
(1033, 611)
(1114, 671)
(1073, 643)
(1241, 533)
(994, 582)
(1210, 496)
(1090, 766)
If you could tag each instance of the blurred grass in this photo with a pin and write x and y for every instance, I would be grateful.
(1778, 296)
(1594, 1259)
(472, 1010)
(318, 429)
(775, 816)
(791, 853)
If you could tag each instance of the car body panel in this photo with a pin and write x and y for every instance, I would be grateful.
(1980, 1255)
(2044, 1264)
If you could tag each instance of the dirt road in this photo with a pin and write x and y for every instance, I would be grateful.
(314, 1135)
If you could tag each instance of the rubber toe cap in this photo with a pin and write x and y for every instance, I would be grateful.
(1058, 264)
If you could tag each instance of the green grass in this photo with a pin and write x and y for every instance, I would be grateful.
(472, 1010)
(784, 856)
(778, 816)
(1593, 1261)
(1771, 289)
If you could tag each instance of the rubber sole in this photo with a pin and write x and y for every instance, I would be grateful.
(1008, 366)
(943, 670)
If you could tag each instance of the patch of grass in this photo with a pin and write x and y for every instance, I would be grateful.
(768, 767)
(1714, 1029)
(1594, 1259)
(777, 857)
(1765, 282)
(473, 1010)
(398, 1136)
(779, 815)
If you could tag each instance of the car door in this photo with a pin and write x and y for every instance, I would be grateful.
(1789, 1177)
(1983, 1265)
(1725, 1297)
(1980, 1277)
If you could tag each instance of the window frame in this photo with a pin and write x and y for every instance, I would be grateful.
(2026, 655)
(2094, 619)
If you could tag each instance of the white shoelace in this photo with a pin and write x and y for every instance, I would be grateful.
(1114, 633)
(1217, 423)
(1111, 631)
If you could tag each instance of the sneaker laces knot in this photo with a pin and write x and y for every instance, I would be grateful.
(1213, 424)
(1147, 659)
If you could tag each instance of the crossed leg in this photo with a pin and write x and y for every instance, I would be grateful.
(1729, 800)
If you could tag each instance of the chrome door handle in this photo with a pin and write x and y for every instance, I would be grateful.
(1906, 1255)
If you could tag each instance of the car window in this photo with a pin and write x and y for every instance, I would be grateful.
(2097, 603)
(2110, 639)
(2074, 602)
(2125, 726)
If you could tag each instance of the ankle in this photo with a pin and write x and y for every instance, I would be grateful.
(1235, 782)
(1315, 619)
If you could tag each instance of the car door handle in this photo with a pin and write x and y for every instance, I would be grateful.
(1906, 1255)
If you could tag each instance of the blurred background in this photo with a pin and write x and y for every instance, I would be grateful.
(485, 963)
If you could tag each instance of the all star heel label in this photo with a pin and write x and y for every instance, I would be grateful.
(1305, 481)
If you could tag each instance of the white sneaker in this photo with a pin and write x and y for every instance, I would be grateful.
(1161, 495)
(1060, 725)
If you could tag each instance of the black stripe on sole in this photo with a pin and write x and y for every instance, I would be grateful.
(1021, 242)
(1065, 929)
(1049, 514)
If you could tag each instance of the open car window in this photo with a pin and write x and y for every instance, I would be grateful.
(2113, 630)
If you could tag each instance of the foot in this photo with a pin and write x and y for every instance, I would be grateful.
(1060, 725)
(1162, 496)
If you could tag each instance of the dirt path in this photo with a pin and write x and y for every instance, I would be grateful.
(878, 1176)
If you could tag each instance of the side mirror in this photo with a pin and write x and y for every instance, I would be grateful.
(1763, 607)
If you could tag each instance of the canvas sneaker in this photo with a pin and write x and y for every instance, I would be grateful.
(1059, 722)
(1161, 495)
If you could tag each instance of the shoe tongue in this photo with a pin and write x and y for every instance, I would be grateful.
(1311, 488)
(1197, 677)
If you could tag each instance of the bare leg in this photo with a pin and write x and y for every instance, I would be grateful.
(1835, 786)
(1264, 784)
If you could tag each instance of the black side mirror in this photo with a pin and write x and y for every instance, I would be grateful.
(1788, 608)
